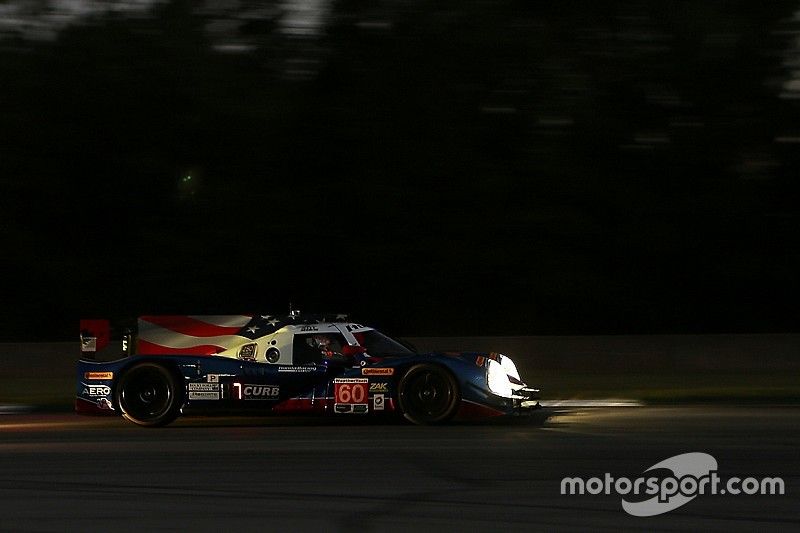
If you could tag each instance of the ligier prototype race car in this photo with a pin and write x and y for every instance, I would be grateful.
(240, 364)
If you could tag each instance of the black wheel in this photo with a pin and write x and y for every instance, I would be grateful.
(428, 394)
(148, 395)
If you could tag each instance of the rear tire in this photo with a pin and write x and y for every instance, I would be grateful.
(148, 395)
(428, 394)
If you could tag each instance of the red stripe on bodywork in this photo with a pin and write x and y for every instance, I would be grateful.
(319, 405)
(150, 348)
(190, 326)
(300, 405)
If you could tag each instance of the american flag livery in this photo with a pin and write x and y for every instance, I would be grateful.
(199, 362)
(199, 335)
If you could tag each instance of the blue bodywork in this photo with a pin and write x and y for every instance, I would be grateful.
(214, 383)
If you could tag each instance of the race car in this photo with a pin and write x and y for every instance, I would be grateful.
(319, 365)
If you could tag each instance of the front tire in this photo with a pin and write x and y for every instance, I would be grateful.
(148, 395)
(428, 394)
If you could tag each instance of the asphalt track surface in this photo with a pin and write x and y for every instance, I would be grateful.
(63, 472)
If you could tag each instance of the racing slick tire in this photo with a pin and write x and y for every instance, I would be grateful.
(148, 395)
(428, 394)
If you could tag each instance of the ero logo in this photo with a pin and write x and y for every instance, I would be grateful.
(96, 391)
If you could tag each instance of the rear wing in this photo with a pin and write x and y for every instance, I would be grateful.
(169, 334)
(181, 334)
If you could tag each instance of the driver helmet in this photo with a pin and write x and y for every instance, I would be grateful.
(322, 341)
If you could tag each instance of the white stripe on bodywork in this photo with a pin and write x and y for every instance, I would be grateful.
(225, 321)
(172, 339)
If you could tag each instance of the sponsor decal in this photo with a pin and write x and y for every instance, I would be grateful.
(309, 328)
(297, 369)
(377, 371)
(96, 391)
(243, 391)
(103, 403)
(378, 402)
(354, 409)
(98, 375)
(351, 395)
(379, 387)
(207, 387)
(480, 360)
(201, 395)
(212, 378)
(248, 352)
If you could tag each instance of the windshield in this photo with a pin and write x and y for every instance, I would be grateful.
(379, 345)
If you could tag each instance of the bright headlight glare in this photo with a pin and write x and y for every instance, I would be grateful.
(509, 367)
(497, 379)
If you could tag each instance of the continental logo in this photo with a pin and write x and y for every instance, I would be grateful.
(377, 371)
(98, 375)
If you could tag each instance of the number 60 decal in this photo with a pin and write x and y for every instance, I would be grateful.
(350, 390)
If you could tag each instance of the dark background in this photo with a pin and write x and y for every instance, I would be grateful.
(445, 168)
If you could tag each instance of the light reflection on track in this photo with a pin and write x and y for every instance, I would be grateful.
(69, 472)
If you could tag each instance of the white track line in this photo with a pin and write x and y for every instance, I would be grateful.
(13, 409)
(609, 402)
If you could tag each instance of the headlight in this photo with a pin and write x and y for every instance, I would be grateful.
(509, 367)
(497, 379)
